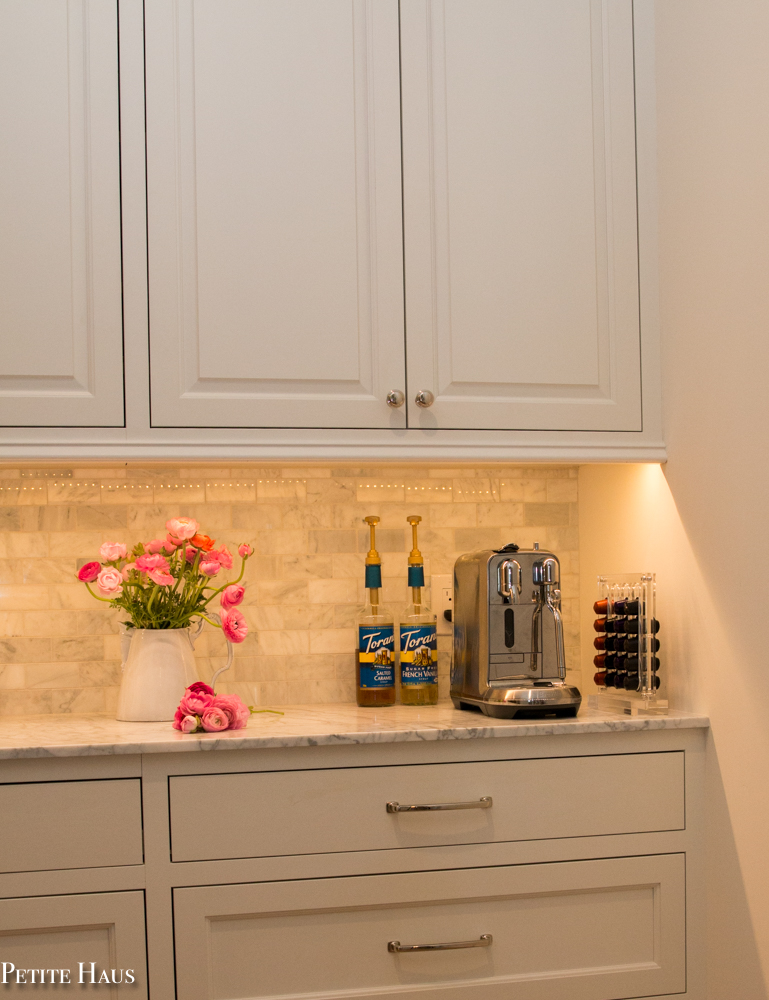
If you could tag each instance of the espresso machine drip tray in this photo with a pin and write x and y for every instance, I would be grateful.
(542, 698)
(509, 657)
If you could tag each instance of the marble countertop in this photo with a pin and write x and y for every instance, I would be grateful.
(304, 725)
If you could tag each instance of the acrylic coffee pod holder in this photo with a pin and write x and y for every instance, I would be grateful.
(628, 675)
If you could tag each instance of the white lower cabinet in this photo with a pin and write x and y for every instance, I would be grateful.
(553, 867)
(582, 930)
(44, 935)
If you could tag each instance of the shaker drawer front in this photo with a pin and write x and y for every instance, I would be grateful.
(269, 814)
(585, 930)
(55, 933)
(47, 825)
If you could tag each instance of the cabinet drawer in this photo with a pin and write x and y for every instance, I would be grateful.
(54, 933)
(584, 930)
(273, 813)
(70, 824)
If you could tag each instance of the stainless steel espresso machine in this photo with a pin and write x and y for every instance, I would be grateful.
(508, 635)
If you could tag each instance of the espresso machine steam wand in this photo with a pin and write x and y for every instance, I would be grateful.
(509, 581)
(547, 576)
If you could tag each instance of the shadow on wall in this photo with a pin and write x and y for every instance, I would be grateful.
(714, 652)
(734, 964)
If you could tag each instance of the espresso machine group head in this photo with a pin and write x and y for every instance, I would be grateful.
(508, 634)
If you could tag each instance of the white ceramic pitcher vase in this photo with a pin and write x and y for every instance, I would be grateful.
(158, 664)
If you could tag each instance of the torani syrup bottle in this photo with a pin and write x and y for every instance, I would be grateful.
(418, 642)
(375, 673)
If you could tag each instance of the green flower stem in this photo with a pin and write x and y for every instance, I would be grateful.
(153, 595)
(108, 600)
(191, 574)
(231, 582)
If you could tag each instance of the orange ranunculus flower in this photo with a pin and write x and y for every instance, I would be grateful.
(202, 542)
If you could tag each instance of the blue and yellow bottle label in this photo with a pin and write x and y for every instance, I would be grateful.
(376, 656)
(419, 655)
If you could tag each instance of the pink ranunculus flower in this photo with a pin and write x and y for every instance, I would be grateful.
(232, 596)
(224, 556)
(210, 567)
(174, 542)
(232, 706)
(200, 687)
(182, 527)
(234, 625)
(146, 563)
(160, 578)
(184, 723)
(89, 572)
(195, 702)
(189, 554)
(110, 582)
(126, 570)
(214, 720)
(245, 550)
(155, 546)
(112, 551)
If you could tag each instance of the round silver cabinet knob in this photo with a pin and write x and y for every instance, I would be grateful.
(424, 398)
(395, 398)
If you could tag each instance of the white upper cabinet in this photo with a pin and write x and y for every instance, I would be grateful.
(61, 333)
(521, 238)
(267, 216)
(274, 197)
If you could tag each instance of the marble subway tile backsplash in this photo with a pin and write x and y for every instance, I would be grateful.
(60, 649)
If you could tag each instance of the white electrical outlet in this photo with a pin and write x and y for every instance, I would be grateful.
(442, 599)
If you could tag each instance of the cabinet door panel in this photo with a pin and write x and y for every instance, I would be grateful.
(59, 932)
(275, 244)
(60, 272)
(520, 213)
(584, 930)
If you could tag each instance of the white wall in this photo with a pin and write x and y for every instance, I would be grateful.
(712, 656)
(704, 524)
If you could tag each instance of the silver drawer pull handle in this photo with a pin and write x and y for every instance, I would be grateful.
(484, 941)
(485, 803)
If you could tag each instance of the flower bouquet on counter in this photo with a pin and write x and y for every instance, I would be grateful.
(201, 710)
(165, 583)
